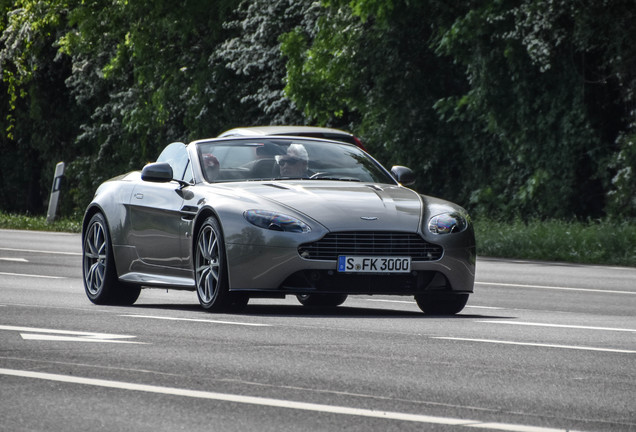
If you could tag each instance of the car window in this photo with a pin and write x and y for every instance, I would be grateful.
(176, 155)
(261, 159)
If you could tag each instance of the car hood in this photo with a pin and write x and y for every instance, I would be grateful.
(341, 206)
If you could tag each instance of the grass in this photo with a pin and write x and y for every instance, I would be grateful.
(597, 242)
(39, 223)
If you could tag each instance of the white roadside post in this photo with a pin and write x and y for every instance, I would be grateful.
(55, 192)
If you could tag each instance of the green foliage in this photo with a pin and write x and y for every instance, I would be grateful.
(551, 94)
(38, 116)
(513, 109)
(622, 196)
(142, 77)
(39, 223)
(253, 56)
(319, 77)
(372, 71)
(593, 242)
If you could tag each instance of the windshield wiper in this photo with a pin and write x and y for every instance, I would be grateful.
(349, 179)
(290, 178)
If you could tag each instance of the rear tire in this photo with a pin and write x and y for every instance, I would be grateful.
(441, 302)
(101, 283)
(325, 300)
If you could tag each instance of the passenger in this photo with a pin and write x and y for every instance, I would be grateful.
(294, 162)
(212, 167)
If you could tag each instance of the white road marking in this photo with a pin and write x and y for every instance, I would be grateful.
(14, 259)
(277, 403)
(31, 275)
(198, 320)
(412, 302)
(41, 251)
(542, 345)
(32, 333)
(555, 288)
(521, 323)
(41, 337)
(391, 301)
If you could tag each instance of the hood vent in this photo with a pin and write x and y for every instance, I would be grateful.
(277, 186)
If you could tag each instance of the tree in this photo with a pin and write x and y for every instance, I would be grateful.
(123, 78)
(254, 58)
(552, 84)
(509, 108)
(369, 67)
(39, 117)
(141, 70)
(519, 108)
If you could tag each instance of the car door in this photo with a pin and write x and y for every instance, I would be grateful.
(157, 229)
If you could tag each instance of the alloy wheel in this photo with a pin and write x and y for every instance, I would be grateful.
(208, 265)
(95, 253)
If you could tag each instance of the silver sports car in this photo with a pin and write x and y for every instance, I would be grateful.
(239, 218)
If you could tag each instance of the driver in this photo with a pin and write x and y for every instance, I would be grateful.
(294, 162)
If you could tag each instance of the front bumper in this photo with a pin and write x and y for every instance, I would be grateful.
(282, 270)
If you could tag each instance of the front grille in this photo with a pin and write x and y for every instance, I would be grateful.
(371, 244)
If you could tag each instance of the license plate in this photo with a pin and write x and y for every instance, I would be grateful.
(366, 264)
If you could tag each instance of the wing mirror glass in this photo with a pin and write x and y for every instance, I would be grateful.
(403, 175)
(158, 172)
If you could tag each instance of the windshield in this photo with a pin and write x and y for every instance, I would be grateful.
(287, 158)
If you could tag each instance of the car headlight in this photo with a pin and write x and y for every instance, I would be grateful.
(447, 223)
(275, 221)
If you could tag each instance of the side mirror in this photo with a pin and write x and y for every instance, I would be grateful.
(403, 175)
(159, 172)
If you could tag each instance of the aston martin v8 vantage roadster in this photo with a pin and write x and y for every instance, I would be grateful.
(239, 218)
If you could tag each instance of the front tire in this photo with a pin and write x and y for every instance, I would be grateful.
(211, 271)
(101, 283)
(441, 302)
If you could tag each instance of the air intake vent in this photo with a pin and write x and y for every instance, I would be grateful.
(371, 244)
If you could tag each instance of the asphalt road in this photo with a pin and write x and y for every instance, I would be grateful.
(539, 347)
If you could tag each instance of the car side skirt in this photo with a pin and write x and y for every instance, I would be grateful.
(154, 280)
